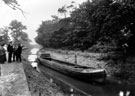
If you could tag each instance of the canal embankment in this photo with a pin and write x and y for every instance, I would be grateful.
(38, 84)
(108, 61)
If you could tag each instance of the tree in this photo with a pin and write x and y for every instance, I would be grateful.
(71, 7)
(63, 10)
(55, 18)
(109, 23)
(14, 5)
(11, 3)
(17, 28)
(4, 32)
(45, 30)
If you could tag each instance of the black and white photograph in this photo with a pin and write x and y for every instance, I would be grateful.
(67, 47)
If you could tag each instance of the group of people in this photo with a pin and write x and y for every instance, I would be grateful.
(14, 53)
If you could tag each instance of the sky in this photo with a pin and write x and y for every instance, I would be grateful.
(36, 11)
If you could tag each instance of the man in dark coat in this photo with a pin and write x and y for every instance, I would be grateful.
(14, 52)
(18, 53)
(10, 51)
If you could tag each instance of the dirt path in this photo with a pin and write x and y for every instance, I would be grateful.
(13, 81)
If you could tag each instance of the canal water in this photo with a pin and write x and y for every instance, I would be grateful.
(108, 88)
(32, 57)
(74, 87)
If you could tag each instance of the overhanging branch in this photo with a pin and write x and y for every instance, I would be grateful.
(14, 5)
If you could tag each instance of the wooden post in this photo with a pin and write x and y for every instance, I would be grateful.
(75, 59)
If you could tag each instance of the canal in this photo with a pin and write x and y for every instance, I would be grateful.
(110, 87)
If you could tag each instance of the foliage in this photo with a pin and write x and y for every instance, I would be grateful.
(108, 23)
(17, 33)
(11, 3)
(4, 35)
(62, 10)
(55, 18)
(45, 30)
(14, 5)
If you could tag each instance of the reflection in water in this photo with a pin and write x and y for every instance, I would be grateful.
(32, 57)
(34, 64)
(72, 95)
(128, 93)
(121, 93)
(71, 89)
(34, 50)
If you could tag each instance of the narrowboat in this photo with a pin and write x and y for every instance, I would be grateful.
(77, 71)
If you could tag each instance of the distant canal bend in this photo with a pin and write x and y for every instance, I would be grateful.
(109, 88)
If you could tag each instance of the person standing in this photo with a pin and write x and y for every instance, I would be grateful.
(18, 53)
(2, 54)
(10, 51)
(14, 53)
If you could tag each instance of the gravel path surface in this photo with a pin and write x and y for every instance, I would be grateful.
(13, 81)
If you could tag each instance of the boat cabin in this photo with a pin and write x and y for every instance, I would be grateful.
(46, 56)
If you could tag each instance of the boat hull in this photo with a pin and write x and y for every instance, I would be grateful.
(73, 70)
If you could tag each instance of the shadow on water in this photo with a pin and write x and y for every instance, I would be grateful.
(74, 87)
(109, 87)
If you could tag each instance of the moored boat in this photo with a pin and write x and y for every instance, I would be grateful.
(77, 71)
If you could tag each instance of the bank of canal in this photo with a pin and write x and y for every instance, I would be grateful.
(73, 87)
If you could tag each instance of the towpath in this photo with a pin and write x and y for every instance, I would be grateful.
(13, 81)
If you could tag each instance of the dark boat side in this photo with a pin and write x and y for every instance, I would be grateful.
(77, 71)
